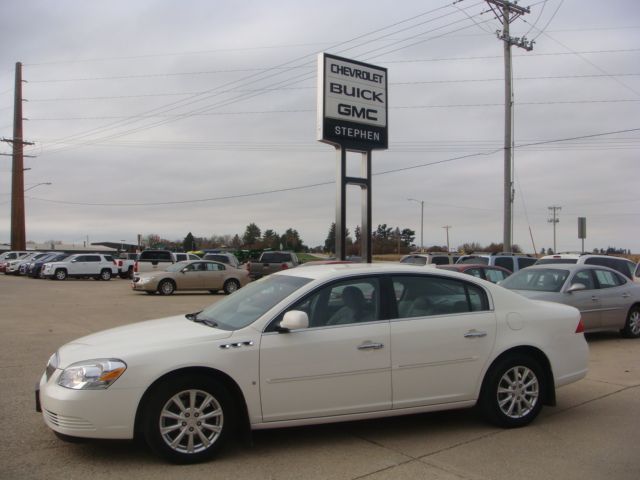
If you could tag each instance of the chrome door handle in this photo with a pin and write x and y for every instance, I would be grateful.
(475, 334)
(594, 298)
(626, 295)
(370, 346)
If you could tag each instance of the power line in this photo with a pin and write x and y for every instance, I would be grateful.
(601, 70)
(398, 107)
(318, 184)
(308, 66)
(392, 84)
(216, 92)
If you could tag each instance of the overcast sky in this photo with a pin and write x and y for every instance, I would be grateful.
(174, 116)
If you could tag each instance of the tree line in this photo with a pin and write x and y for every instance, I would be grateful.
(384, 239)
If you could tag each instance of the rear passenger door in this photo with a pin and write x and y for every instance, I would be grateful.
(441, 338)
(588, 301)
(213, 276)
(614, 297)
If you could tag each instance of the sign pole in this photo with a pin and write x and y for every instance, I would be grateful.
(352, 116)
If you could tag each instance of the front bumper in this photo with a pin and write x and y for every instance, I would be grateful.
(144, 287)
(108, 414)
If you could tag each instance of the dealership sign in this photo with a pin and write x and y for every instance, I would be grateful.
(352, 103)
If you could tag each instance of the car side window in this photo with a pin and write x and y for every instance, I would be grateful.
(607, 279)
(524, 262)
(505, 262)
(427, 295)
(214, 267)
(586, 278)
(346, 302)
(495, 276)
(476, 272)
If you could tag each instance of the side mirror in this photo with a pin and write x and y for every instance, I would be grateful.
(293, 320)
(576, 287)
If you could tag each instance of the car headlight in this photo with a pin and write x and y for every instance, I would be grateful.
(92, 374)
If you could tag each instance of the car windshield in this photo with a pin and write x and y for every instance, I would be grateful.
(251, 302)
(540, 280)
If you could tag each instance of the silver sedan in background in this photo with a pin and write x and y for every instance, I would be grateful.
(606, 299)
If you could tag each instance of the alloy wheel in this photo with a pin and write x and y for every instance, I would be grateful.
(518, 392)
(191, 421)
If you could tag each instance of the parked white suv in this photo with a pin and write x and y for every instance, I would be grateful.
(619, 264)
(98, 266)
(510, 261)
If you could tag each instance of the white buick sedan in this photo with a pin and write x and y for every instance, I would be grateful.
(312, 345)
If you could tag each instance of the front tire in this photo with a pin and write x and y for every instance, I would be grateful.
(632, 325)
(166, 287)
(60, 274)
(513, 391)
(188, 419)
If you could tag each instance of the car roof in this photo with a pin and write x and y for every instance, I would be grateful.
(460, 267)
(568, 266)
(343, 270)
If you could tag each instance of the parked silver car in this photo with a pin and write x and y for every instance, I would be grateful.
(607, 299)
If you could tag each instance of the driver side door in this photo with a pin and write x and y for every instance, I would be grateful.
(327, 369)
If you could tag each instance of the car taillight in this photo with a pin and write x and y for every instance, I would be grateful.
(284, 266)
(135, 267)
(119, 263)
(580, 327)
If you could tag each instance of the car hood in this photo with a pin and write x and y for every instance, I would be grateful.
(141, 338)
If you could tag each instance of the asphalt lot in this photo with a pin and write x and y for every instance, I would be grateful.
(593, 433)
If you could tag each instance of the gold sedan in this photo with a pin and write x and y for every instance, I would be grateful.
(192, 275)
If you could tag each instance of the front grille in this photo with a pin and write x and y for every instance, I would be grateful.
(70, 423)
(49, 371)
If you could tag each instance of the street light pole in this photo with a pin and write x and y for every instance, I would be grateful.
(36, 185)
(421, 202)
(447, 227)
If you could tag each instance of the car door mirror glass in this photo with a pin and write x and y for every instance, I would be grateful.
(294, 320)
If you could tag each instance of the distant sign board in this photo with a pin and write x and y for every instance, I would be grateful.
(582, 227)
(352, 103)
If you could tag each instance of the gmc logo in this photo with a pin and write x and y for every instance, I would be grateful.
(357, 112)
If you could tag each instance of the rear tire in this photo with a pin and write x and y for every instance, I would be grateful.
(188, 419)
(513, 391)
(105, 274)
(231, 286)
(632, 325)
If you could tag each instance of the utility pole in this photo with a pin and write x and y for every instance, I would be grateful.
(506, 12)
(421, 202)
(447, 227)
(18, 236)
(554, 219)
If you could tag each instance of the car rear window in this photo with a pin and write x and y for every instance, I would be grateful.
(275, 258)
(549, 261)
(155, 255)
(414, 260)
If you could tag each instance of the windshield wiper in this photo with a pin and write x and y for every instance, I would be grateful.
(194, 318)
